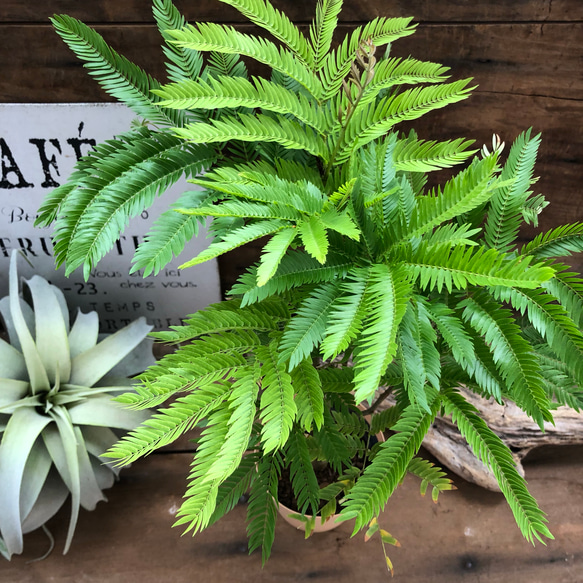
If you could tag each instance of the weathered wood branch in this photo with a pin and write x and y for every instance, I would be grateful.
(515, 429)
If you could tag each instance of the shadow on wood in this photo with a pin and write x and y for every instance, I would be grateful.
(469, 535)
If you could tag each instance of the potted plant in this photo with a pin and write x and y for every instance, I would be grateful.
(57, 417)
(370, 283)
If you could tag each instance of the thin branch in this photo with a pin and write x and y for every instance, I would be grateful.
(383, 396)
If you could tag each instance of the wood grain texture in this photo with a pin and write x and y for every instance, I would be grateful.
(525, 56)
(518, 86)
(521, 59)
(302, 10)
(469, 536)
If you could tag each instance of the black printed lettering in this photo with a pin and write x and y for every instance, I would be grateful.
(47, 162)
(11, 168)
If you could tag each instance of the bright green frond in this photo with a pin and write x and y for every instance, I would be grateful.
(54, 200)
(551, 321)
(301, 195)
(402, 202)
(378, 32)
(309, 395)
(306, 329)
(235, 486)
(200, 497)
(357, 208)
(396, 71)
(258, 128)
(184, 63)
(387, 297)
(385, 473)
(225, 39)
(244, 209)
(505, 210)
(168, 424)
(218, 321)
(53, 203)
(196, 372)
(347, 313)
(441, 266)
(278, 408)
(469, 189)
(237, 238)
(124, 181)
(221, 64)
(560, 385)
(452, 330)
(512, 354)
(483, 369)
(167, 236)
(273, 253)
(492, 451)
(242, 397)
(235, 92)
(262, 507)
(419, 355)
(118, 76)
(341, 223)
(322, 29)
(567, 287)
(296, 268)
(562, 241)
(375, 120)
(263, 14)
(414, 155)
(453, 234)
(312, 232)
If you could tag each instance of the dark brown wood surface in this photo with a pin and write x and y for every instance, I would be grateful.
(526, 57)
(301, 10)
(468, 536)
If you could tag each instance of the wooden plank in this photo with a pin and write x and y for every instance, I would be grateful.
(469, 535)
(528, 75)
(302, 11)
(523, 59)
(560, 163)
(519, 87)
(526, 59)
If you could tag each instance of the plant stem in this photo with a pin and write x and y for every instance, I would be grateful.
(352, 107)
(383, 396)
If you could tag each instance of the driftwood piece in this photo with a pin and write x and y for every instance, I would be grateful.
(515, 429)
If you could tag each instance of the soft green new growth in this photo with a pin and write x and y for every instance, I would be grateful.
(369, 283)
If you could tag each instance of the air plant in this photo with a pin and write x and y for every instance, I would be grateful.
(56, 412)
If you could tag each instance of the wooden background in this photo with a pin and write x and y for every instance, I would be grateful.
(525, 55)
(527, 58)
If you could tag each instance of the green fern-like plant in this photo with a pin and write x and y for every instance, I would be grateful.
(369, 283)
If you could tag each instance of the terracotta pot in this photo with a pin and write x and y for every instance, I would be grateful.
(287, 514)
(329, 524)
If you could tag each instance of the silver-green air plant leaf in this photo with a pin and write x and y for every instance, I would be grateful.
(56, 412)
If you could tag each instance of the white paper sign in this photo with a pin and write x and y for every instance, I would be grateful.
(39, 144)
